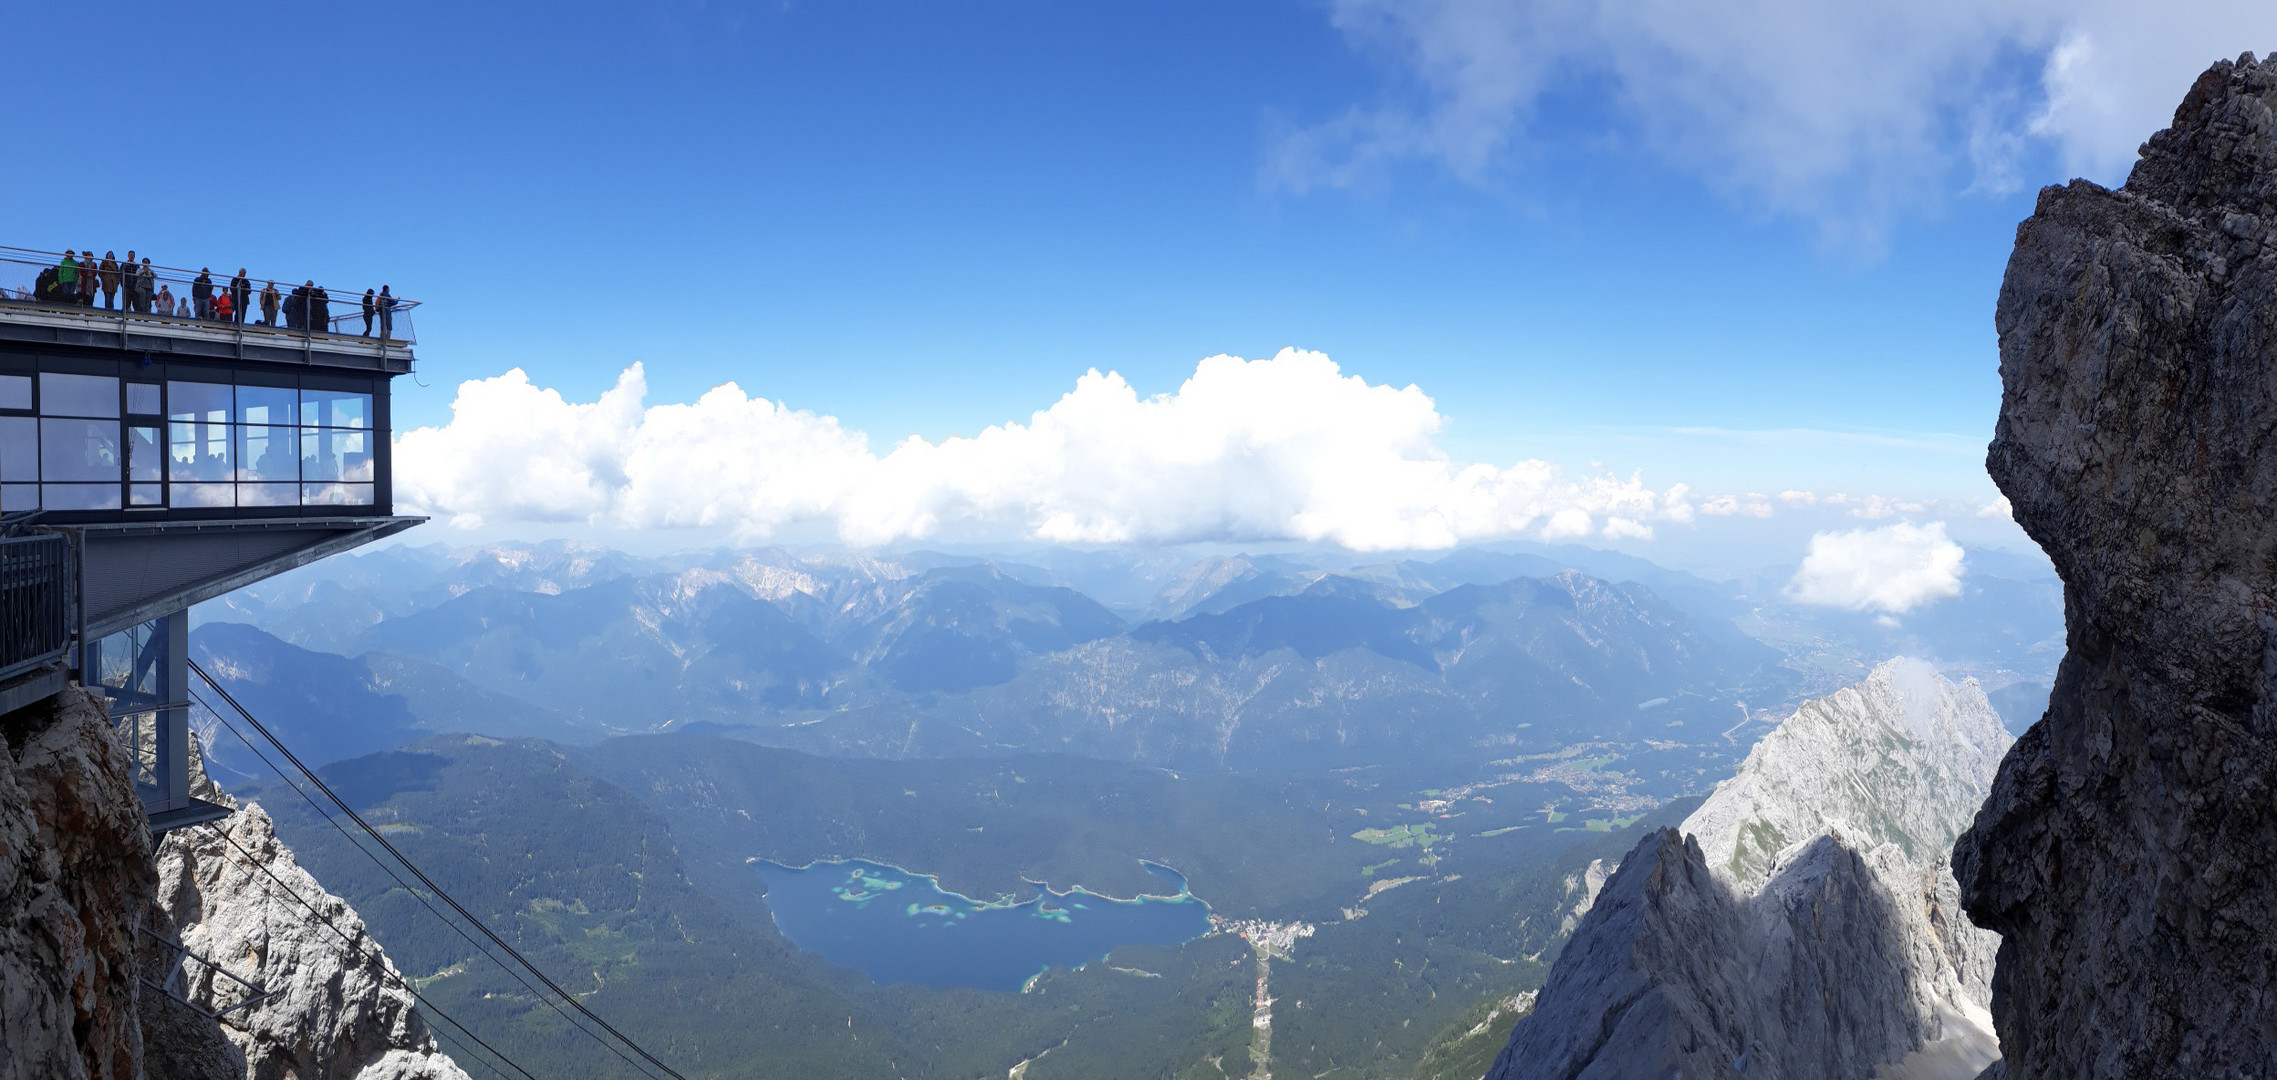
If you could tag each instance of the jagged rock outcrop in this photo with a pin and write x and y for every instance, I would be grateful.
(1803, 922)
(2125, 854)
(85, 904)
(75, 875)
(337, 1008)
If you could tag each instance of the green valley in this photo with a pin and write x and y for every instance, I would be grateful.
(625, 871)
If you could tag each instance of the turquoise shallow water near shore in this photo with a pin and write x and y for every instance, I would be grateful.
(895, 926)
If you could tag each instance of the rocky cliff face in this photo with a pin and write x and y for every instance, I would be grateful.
(337, 1009)
(75, 875)
(1802, 923)
(84, 905)
(2125, 853)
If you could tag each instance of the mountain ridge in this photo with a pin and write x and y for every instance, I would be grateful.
(1803, 921)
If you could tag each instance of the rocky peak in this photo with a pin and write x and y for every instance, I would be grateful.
(2124, 852)
(1902, 758)
(1803, 921)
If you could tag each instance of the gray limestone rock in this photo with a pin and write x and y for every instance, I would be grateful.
(1673, 974)
(337, 1009)
(2125, 852)
(1803, 922)
(74, 878)
(83, 907)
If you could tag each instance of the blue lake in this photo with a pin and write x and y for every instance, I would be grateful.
(895, 926)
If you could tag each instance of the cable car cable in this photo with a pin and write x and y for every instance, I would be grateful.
(385, 968)
(438, 890)
(415, 893)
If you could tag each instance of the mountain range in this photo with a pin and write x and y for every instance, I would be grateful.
(1231, 661)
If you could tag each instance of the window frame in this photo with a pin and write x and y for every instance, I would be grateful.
(136, 491)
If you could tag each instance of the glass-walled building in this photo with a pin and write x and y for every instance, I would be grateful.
(86, 439)
(148, 463)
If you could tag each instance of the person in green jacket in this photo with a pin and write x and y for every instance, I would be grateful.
(67, 278)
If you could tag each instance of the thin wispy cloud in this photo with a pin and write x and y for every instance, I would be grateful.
(1852, 116)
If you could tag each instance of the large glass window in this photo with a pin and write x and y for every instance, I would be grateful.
(336, 494)
(20, 458)
(19, 448)
(79, 450)
(211, 402)
(198, 452)
(267, 405)
(203, 495)
(336, 455)
(80, 496)
(145, 463)
(146, 466)
(335, 409)
(78, 395)
(267, 453)
(97, 443)
(341, 458)
(268, 494)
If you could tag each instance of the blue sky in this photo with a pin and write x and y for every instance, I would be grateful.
(927, 218)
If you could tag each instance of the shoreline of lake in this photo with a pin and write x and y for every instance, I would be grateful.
(1185, 890)
(855, 914)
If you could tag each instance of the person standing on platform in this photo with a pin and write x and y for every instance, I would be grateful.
(240, 296)
(296, 307)
(269, 304)
(107, 276)
(201, 293)
(319, 308)
(223, 310)
(67, 278)
(371, 304)
(130, 279)
(165, 300)
(386, 314)
(146, 280)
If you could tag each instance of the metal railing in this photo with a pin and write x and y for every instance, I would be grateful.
(35, 601)
(165, 296)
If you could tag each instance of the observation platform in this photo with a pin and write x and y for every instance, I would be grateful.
(172, 337)
(151, 460)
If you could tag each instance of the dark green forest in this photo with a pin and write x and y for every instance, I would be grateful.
(621, 870)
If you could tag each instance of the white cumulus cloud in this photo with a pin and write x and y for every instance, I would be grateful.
(1893, 569)
(1850, 114)
(1286, 448)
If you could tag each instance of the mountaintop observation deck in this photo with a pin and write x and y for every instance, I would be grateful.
(150, 460)
(110, 412)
